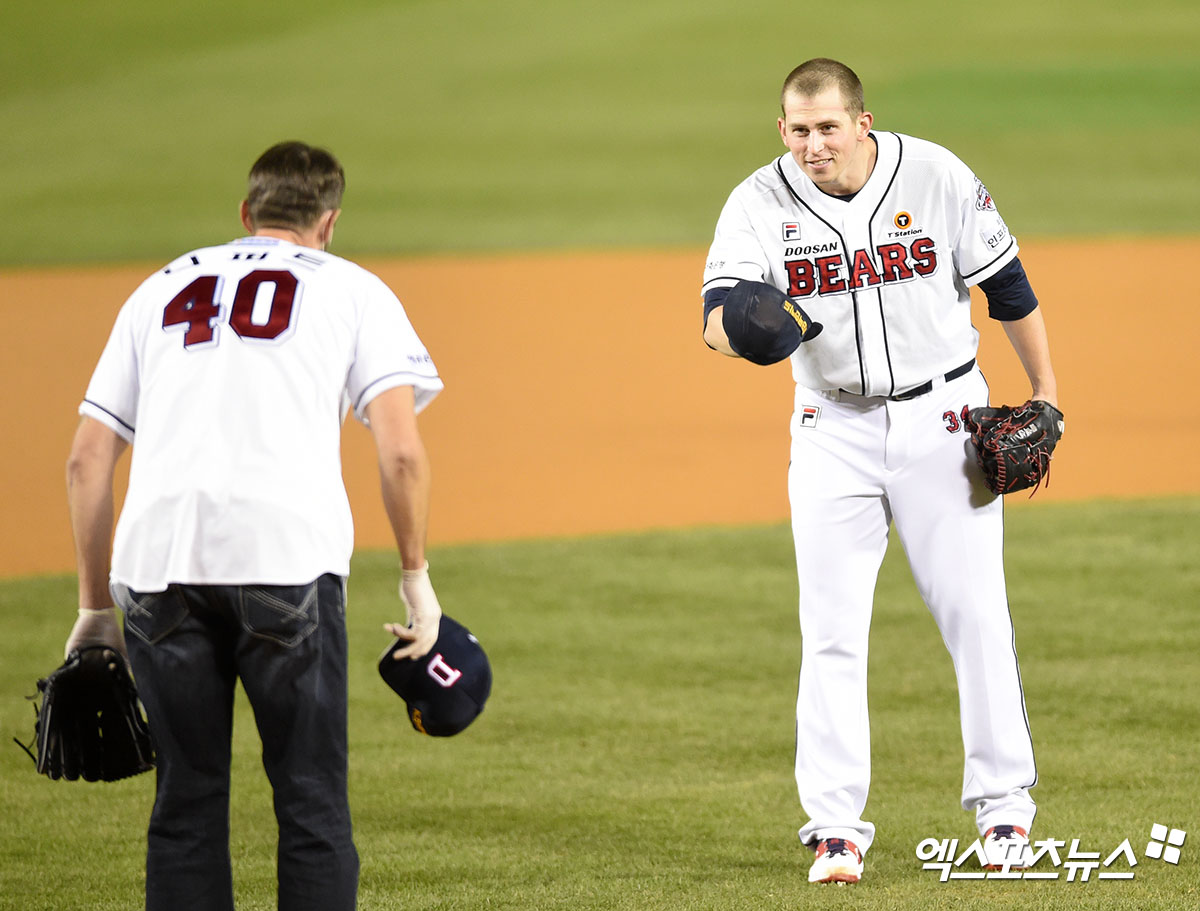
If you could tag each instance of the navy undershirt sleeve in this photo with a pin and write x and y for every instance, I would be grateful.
(1009, 294)
(714, 298)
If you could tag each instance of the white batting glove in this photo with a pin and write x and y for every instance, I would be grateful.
(424, 614)
(97, 627)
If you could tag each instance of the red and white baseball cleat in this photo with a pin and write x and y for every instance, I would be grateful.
(1006, 848)
(838, 861)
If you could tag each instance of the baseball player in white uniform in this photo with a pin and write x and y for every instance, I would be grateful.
(878, 237)
(231, 371)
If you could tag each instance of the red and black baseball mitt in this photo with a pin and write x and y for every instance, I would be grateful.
(1014, 445)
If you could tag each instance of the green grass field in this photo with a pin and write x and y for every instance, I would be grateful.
(471, 125)
(636, 752)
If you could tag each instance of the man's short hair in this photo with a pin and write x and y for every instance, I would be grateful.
(816, 75)
(292, 184)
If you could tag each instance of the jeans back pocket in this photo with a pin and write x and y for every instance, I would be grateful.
(151, 616)
(286, 614)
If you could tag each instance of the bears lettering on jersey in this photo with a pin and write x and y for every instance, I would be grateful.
(891, 263)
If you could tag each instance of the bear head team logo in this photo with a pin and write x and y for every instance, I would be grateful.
(983, 199)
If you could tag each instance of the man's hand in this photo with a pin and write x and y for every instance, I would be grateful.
(424, 614)
(97, 627)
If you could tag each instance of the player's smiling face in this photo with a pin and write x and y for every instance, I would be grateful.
(828, 144)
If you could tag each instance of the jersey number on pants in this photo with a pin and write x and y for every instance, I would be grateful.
(196, 307)
(953, 421)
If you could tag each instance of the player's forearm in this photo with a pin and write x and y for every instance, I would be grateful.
(1028, 338)
(404, 474)
(90, 500)
(714, 332)
(405, 481)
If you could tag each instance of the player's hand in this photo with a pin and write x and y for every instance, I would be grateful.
(424, 614)
(97, 627)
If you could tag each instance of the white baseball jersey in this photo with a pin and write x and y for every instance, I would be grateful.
(886, 272)
(231, 371)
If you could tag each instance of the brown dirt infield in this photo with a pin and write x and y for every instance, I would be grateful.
(579, 396)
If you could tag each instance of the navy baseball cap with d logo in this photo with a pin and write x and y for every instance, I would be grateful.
(445, 690)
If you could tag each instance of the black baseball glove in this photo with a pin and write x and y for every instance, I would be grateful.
(1014, 445)
(90, 724)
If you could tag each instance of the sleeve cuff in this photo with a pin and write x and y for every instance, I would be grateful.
(983, 273)
(122, 429)
(425, 390)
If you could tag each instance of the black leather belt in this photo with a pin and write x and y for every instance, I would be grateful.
(927, 386)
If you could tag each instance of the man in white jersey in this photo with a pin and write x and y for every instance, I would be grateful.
(878, 237)
(231, 370)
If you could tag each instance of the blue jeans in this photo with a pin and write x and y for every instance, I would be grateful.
(188, 645)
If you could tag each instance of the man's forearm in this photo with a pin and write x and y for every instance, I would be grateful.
(1028, 338)
(405, 485)
(404, 475)
(714, 333)
(92, 521)
(90, 501)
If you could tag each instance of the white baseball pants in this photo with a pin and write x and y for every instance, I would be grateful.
(858, 464)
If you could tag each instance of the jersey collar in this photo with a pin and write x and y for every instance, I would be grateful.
(255, 240)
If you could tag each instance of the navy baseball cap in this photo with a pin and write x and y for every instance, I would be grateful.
(444, 690)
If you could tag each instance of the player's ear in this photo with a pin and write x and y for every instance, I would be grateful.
(244, 212)
(328, 220)
(865, 120)
(782, 131)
